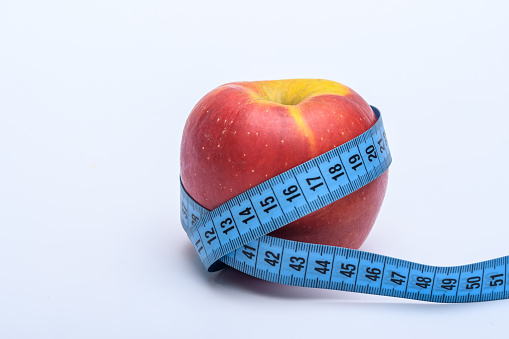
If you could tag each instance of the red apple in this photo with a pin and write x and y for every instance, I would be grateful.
(243, 133)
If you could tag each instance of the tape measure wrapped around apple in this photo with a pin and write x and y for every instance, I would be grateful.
(283, 180)
(241, 134)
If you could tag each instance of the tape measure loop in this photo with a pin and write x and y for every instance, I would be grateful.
(249, 249)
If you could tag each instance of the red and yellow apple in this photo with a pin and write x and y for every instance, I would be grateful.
(243, 133)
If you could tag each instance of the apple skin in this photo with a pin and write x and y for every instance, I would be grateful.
(241, 134)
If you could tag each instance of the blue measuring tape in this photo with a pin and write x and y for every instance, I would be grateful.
(228, 235)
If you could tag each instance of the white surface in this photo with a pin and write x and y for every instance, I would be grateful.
(93, 99)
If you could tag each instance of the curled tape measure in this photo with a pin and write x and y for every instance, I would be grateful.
(240, 240)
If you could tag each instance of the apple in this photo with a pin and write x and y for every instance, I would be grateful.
(243, 133)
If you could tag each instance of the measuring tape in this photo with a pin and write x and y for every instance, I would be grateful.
(235, 234)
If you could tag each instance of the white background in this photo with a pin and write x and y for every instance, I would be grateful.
(93, 100)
